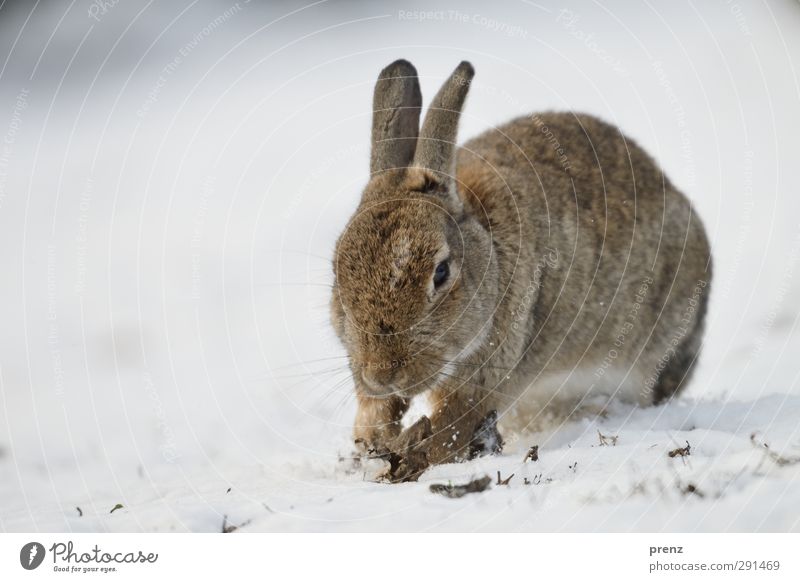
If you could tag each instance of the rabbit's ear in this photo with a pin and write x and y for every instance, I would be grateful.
(395, 117)
(437, 140)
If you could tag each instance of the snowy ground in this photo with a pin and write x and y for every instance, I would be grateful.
(171, 184)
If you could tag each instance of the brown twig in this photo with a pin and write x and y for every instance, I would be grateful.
(229, 527)
(691, 489)
(681, 451)
(537, 480)
(533, 454)
(501, 481)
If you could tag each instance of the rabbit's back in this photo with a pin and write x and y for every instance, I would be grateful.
(586, 221)
(557, 147)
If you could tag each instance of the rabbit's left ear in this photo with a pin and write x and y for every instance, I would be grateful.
(395, 117)
(437, 139)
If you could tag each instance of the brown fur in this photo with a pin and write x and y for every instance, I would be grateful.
(578, 272)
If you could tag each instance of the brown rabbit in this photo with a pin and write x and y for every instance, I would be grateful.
(545, 265)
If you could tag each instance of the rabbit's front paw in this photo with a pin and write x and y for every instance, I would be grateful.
(408, 453)
(377, 423)
(372, 441)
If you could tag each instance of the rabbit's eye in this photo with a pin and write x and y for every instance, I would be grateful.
(441, 273)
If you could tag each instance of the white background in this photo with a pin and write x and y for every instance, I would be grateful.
(174, 175)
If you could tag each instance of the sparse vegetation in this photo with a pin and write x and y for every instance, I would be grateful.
(506, 481)
(532, 455)
(779, 460)
(606, 440)
(229, 527)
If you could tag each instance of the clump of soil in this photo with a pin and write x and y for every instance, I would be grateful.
(456, 491)
(407, 453)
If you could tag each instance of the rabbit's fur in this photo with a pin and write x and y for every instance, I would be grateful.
(577, 271)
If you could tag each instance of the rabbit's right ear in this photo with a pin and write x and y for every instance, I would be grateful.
(395, 117)
(437, 142)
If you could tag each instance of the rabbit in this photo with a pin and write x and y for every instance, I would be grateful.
(547, 264)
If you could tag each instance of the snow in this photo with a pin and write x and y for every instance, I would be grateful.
(170, 191)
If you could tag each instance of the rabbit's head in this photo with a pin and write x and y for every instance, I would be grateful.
(415, 277)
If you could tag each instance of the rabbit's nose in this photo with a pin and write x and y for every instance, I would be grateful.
(383, 377)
